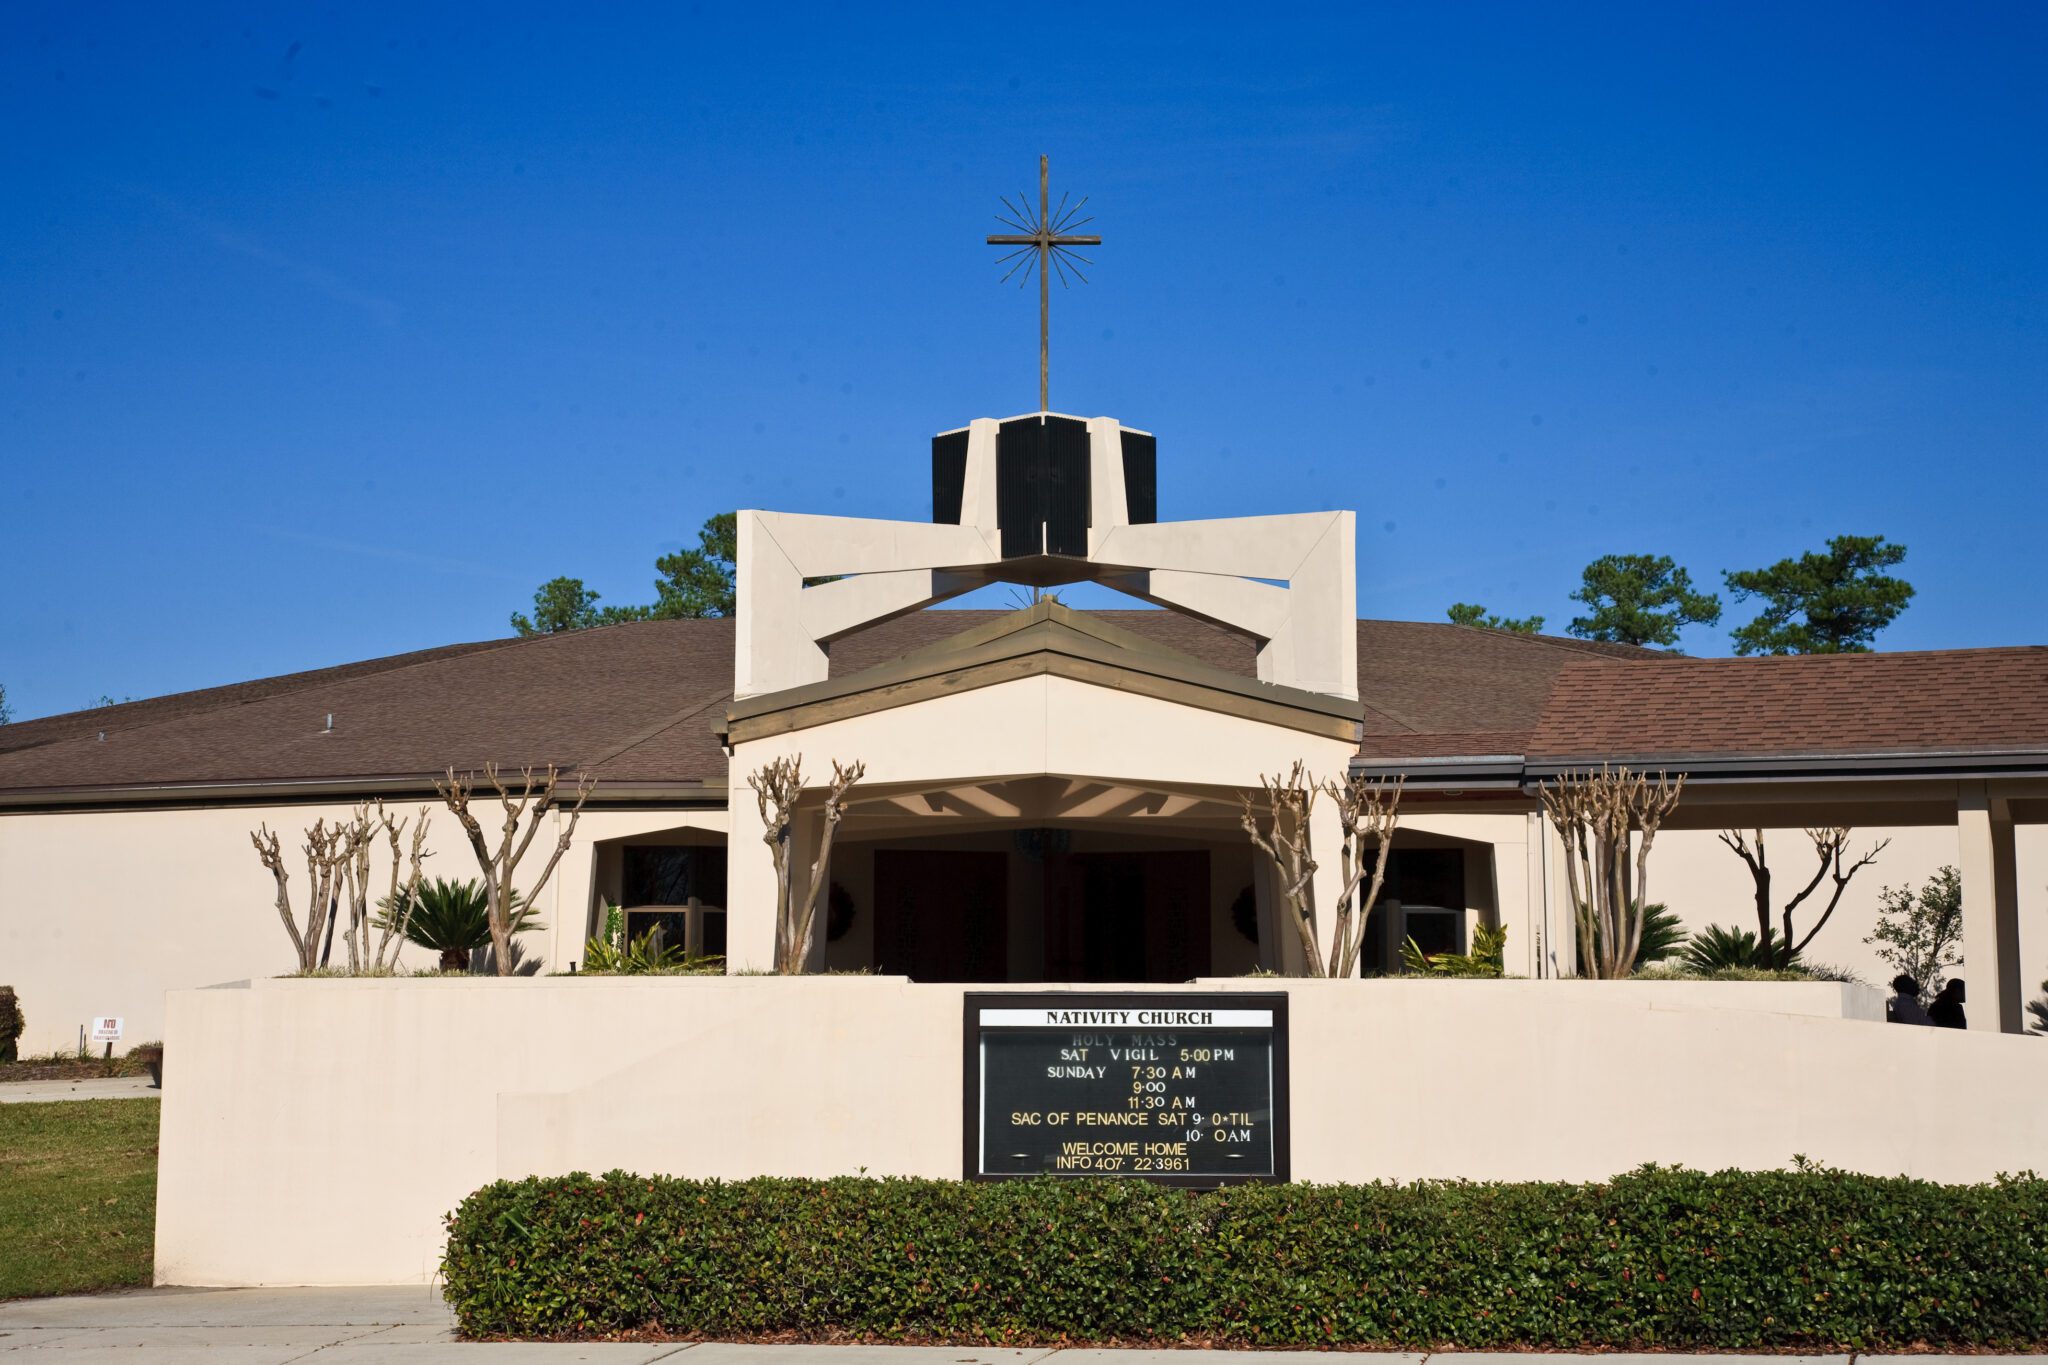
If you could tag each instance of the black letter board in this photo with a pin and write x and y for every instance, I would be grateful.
(1182, 1089)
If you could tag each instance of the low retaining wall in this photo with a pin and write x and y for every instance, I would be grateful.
(315, 1132)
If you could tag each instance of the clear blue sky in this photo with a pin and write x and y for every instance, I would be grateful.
(329, 335)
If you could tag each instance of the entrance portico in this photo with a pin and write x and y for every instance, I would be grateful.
(1064, 775)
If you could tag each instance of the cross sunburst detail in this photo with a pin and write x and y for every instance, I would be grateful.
(1044, 245)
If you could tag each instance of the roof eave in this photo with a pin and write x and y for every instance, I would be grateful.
(1458, 772)
(1470, 770)
(1962, 763)
(305, 791)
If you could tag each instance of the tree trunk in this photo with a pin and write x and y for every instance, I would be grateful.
(1761, 874)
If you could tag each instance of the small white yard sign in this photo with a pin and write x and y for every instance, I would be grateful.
(106, 1029)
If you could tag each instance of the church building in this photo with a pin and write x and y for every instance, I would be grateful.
(1049, 795)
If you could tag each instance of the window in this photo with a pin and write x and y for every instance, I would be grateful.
(1434, 928)
(664, 874)
(1423, 899)
(676, 891)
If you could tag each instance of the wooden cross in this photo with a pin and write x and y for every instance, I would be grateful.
(1044, 244)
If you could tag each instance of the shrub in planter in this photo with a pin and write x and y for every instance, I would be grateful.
(1717, 946)
(453, 919)
(1489, 952)
(12, 1023)
(1806, 1259)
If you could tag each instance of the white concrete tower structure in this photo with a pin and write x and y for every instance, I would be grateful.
(1046, 499)
(1041, 499)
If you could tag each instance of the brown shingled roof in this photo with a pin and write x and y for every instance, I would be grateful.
(637, 704)
(128, 715)
(1962, 701)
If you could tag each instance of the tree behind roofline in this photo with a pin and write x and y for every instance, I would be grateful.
(1277, 821)
(536, 798)
(700, 582)
(778, 787)
(563, 604)
(1920, 934)
(1826, 603)
(1472, 614)
(1640, 600)
(338, 859)
(6, 714)
(1598, 816)
(1780, 946)
(690, 583)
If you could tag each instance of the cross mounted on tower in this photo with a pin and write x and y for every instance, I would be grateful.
(1044, 244)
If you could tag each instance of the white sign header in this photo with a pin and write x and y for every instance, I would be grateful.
(1150, 1016)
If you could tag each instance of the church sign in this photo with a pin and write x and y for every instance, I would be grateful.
(1183, 1089)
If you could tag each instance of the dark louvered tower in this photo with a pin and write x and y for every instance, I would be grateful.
(1043, 480)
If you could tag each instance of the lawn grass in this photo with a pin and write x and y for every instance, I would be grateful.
(77, 1196)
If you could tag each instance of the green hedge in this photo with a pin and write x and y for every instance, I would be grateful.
(1670, 1258)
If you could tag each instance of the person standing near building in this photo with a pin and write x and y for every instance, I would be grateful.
(1904, 1006)
(1947, 1009)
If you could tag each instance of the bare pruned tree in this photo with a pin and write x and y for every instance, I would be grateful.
(1369, 811)
(1598, 815)
(338, 858)
(359, 838)
(778, 787)
(1830, 849)
(319, 849)
(536, 797)
(1276, 818)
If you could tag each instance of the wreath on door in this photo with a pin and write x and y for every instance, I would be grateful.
(1244, 915)
(839, 913)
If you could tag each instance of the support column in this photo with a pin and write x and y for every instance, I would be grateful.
(1326, 839)
(809, 829)
(1279, 947)
(1991, 917)
(569, 898)
(1516, 902)
(1561, 918)
(1510, 867)
(1536, 888)
(749, 879)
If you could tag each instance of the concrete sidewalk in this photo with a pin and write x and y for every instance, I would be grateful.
(410, 1325)
(91, 1088)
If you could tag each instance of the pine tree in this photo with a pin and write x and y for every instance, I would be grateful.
(1640, 600)
(1831, 603)
(1472, 614)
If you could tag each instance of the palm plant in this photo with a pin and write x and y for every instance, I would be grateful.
(1663, 935)
(610, 953)
(2039, 1010)
(1716, 947)
(454, 920)
(643, 956)
(1487, 958)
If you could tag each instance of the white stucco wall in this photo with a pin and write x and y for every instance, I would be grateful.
(101, 912)
(310, 1138)
(1703, 882)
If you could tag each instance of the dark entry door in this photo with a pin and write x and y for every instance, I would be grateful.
(1128, 916)
(942, 914)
